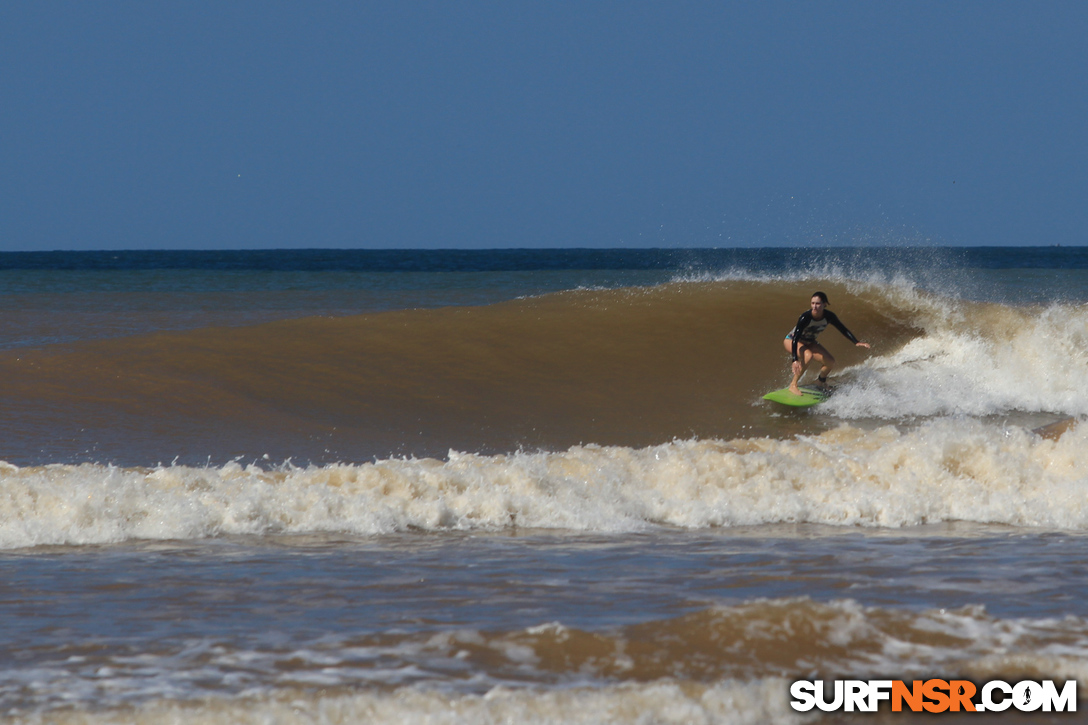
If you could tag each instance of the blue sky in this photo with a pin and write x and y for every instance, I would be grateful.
(136, 125)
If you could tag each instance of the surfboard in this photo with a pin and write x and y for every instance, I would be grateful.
(809, 396)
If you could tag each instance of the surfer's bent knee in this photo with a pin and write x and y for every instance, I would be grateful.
(820, 353)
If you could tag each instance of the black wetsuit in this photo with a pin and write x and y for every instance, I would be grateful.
(807, 329)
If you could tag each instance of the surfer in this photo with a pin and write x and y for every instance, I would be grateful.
(802, 345)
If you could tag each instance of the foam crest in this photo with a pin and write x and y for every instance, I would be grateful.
(977, 360)
(918, 268)
(944, 470)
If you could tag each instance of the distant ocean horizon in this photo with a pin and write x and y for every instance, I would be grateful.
(482, 259)
(531, 485)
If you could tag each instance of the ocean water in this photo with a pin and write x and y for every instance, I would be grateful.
(532, 486)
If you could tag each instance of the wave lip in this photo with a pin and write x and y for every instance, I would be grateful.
(945, 470)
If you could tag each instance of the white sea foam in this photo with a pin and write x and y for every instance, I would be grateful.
(944, 470)
(736, 703)
(984, 360)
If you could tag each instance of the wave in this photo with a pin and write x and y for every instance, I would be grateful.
(945, 470)
(630, 367)
(724, 663)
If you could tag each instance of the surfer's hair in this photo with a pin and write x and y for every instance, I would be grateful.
(823, 297)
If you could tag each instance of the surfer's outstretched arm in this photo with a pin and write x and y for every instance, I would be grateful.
(834, 320)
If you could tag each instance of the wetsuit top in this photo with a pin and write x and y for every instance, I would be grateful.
(807, 329)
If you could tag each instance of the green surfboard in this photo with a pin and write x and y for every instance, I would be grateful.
(808, 396)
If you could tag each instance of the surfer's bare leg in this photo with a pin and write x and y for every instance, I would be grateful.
(827, 363)
(796, 377)
(804, 357)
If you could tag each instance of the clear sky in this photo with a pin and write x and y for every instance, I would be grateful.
(232, 125)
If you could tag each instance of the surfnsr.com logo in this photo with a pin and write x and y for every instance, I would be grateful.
(934, 696)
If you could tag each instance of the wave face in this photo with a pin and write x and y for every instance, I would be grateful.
(946, 470)
(631, 367)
